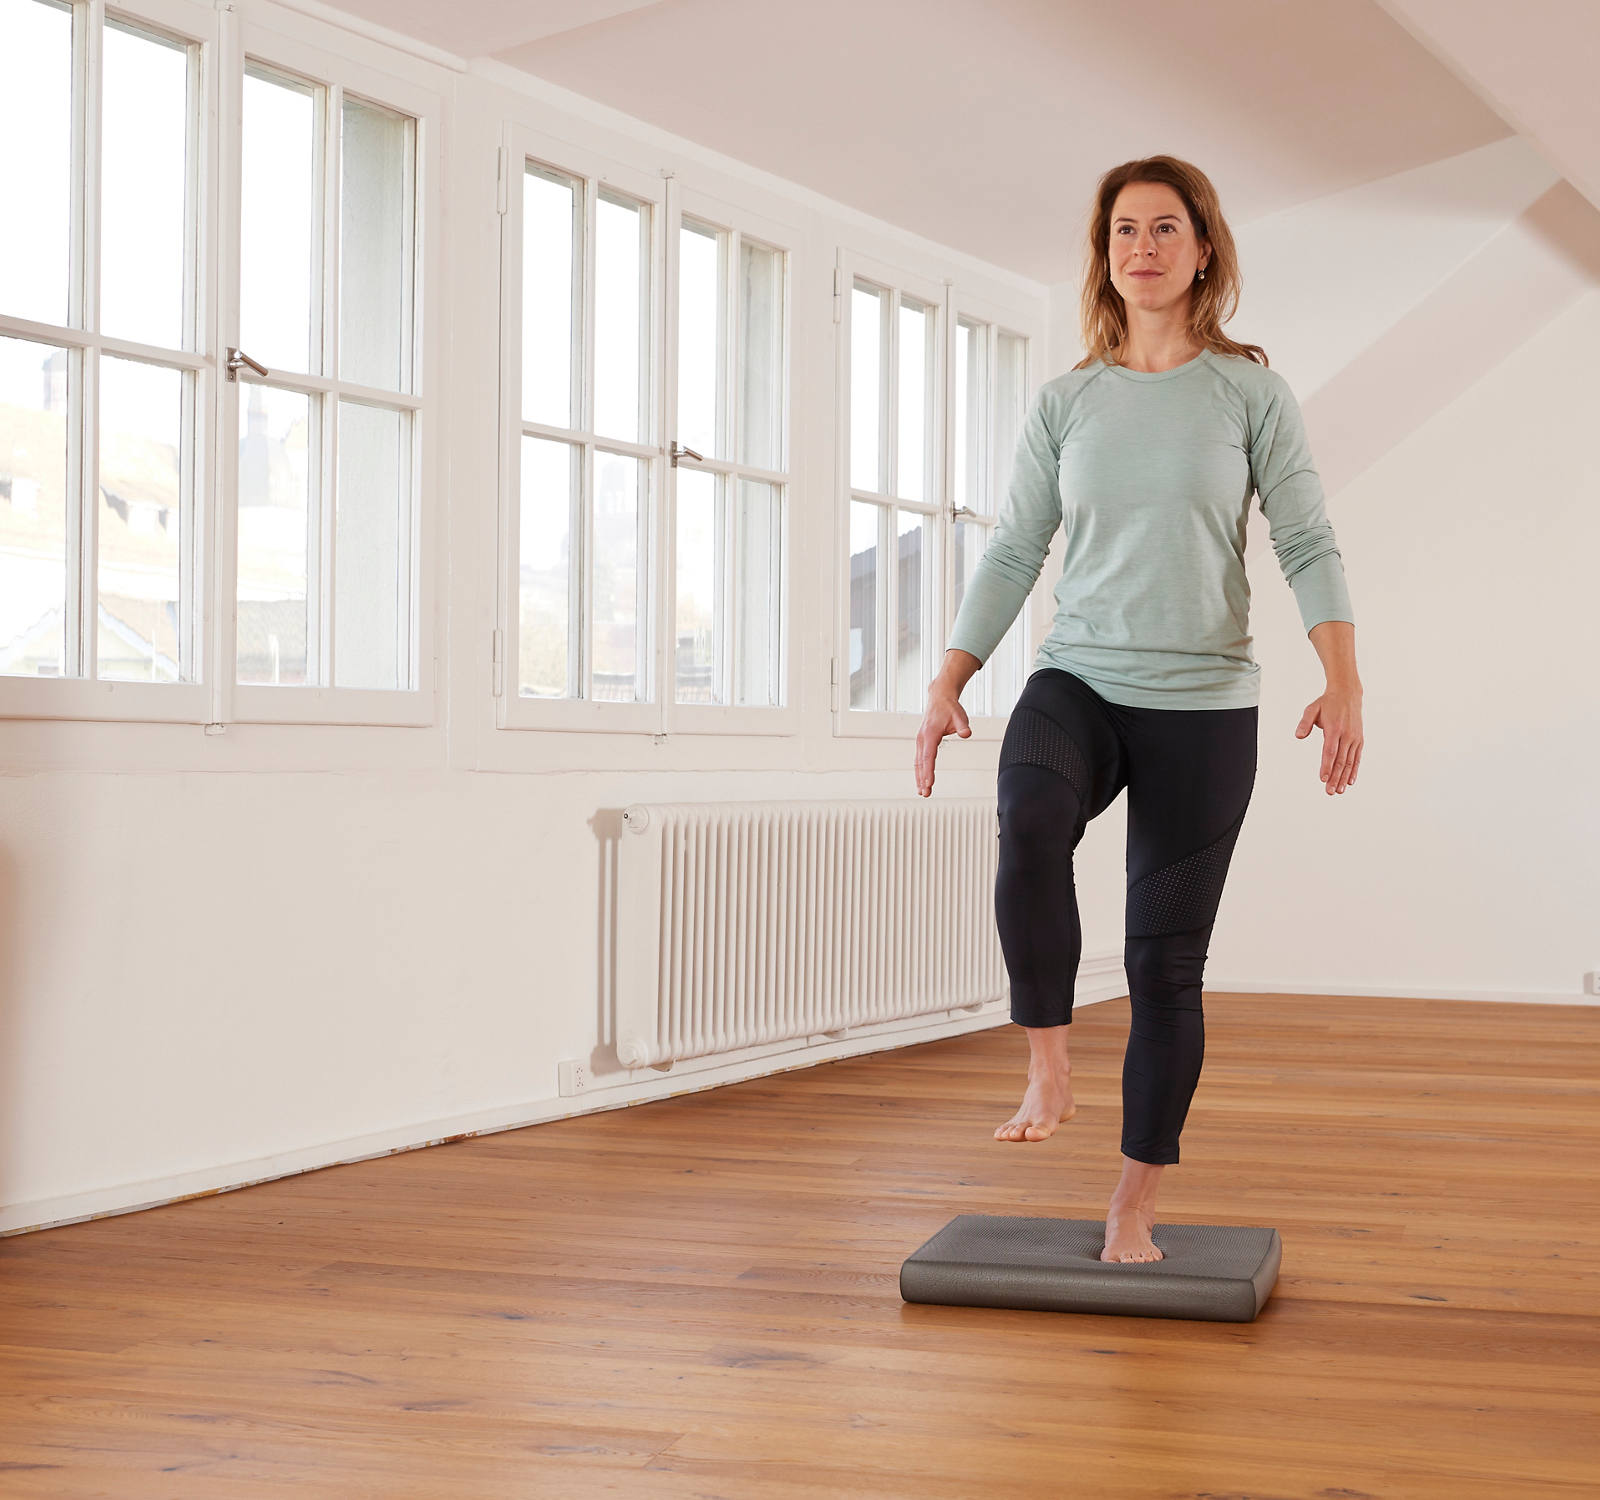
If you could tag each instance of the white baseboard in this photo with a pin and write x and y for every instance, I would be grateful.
(1399, 991)
(1100, 977)
(611, 1091)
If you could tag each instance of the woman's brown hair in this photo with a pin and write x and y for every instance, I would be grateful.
(1211, 302)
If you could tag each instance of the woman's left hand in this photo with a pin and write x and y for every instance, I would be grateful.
(1338, 711)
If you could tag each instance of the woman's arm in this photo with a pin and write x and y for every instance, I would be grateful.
(1030, 512)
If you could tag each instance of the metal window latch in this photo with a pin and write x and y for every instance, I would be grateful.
(237, 359)
(962, 513)
(678, 453)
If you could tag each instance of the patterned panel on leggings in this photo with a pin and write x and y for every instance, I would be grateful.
(1185, 894)
(1035, 739)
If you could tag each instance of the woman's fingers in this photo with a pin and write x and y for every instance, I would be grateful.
(928, 739)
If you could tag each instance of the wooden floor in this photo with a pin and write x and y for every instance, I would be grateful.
(699, 1297)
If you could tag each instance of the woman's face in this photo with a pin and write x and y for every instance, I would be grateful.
(1154, 250)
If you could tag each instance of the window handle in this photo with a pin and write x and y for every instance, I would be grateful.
(676, 452)
(963, 513)
(238, 358)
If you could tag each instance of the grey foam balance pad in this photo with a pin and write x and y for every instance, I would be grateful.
(1219, 1272)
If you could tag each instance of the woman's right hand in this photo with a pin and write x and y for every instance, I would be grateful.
(945, 715)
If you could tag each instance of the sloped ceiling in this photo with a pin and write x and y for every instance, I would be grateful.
(1532, 62)
(983, 124)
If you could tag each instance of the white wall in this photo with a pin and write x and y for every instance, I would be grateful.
(224, 957)
(1466, 859)
(227, 957)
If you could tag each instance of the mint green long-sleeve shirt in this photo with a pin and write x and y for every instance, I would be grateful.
(1151, 474)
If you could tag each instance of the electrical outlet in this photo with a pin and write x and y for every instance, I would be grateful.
(1591, 982)
(574, 1077)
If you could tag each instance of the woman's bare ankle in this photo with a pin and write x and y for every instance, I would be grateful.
(1047, 1050)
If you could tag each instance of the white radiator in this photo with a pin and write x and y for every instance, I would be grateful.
(741, 923)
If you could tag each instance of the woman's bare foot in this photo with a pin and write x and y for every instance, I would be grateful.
(1046, 1104)
(1131, 1214)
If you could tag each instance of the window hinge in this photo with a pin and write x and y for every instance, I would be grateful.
(499, 663)
(838, 294)
(502, 195)
(833, 684)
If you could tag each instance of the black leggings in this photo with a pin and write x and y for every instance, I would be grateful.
(1189, 773)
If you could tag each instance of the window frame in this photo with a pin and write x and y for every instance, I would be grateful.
(226, 39)
(661, 714)
(519, 145)
(283, 50)
(739, 223)
(95, 698)
(896, 281)
(954, 301)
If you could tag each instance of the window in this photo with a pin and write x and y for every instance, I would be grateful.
(127, 283)
(917, 521)
(328, 588)
(645, 499)
(103, 385)
(731, 512)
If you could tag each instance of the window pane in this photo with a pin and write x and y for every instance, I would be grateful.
(700, 336)
(278, 198)
(276, 550)
(552, 253)
(621, 316)
(544, 631)
(760, 591)
(916, 393)
(699, 567)
(35, 184)
(616, 578)
(866, 388)
(371, 569)
(144, 176)
(377, 191)
(761, 355)
(140, 521)
(1009, 391)
(971, 386)
(864, 691)
(33, 507)
(911, 678)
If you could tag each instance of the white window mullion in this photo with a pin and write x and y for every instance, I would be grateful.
(408, 586)
(657, 379)
(88, 25)
(584, 420)
(325, 235)
(731, 660)
(223, 198)
(190, 558)
(725, 634)
(666, 411)
(946, 522)
(584, 644)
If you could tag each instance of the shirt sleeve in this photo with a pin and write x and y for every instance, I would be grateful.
(1290, 493)
(1029, 515)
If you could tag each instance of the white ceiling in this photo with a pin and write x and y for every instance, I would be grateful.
(984, 124)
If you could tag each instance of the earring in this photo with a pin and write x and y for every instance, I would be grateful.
(1202, 273)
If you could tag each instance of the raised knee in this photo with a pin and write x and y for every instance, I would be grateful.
(1038, 813)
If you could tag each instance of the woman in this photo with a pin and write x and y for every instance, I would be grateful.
(1148, 451)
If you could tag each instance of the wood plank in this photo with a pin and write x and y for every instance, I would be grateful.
(699, 1296)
